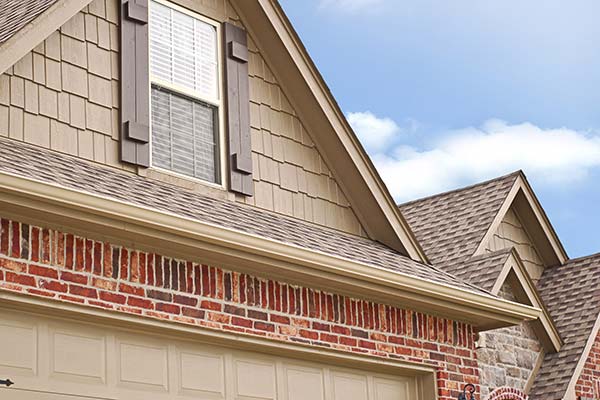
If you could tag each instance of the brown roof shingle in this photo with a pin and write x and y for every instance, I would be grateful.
(483, 270)
(15, 14)
(450, 226)
(48, 166)
(571, 293)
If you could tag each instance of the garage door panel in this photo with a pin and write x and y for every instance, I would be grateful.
(62, 360)
(254, 379)
(20, 357)
(349, 386)
(303, 382)
(78, 357)
(388, 389)
(143, 366)
(201, 374)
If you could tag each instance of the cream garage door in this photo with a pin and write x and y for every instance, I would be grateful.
(52, 359)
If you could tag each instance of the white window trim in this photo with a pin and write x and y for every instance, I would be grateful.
(219, 103)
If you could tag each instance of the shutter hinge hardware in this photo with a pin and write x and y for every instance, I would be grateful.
(6, 382)
(469, 388)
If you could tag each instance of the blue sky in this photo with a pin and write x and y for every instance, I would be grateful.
(448, 93)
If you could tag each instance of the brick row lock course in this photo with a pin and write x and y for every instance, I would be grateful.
(54, 264)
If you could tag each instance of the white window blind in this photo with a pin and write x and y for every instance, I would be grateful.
(183, 51)
(185, 93)
(184, 138)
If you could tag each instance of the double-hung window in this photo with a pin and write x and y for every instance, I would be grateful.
(185, 93)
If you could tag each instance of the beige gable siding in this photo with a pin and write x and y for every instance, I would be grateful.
(511, 233)
(64, 95)
(508, 356)
(290, 175)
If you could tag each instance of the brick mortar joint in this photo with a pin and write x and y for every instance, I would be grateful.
(327, 302)
(275, 334)
(322, 314)
(248, 308)
(90, 276)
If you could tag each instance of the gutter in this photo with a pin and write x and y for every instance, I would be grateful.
(27, 196)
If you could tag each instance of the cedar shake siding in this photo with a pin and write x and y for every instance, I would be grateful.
(511, 233)
(65, 95)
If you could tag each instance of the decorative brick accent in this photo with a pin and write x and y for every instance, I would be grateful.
(70, 268)
(507, 394)
(588, 384)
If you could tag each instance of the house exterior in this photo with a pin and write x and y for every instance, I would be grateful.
(496, 236)
(185, 213)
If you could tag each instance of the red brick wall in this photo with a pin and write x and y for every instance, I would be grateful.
(588, 385)
(59, 265)
(506, 393)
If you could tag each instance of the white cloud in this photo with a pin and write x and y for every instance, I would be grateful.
(374, 132)
(352, 6)
(553, 156)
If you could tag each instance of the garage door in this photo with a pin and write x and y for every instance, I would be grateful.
(52, 359)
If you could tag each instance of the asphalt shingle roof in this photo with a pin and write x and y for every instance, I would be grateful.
(450, 226)
(15, 14)
(483, 270)
(571, 293)
(48, 166)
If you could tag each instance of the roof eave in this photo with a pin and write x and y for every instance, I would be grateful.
(37, 31)
(289, 60)
(188, 237)
(544, 327)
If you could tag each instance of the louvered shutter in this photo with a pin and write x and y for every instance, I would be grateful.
(135, 79)
(238, 110)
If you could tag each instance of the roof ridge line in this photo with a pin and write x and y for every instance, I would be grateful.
(581, 258)
(515, 173)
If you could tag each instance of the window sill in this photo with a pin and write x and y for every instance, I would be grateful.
(190, 183)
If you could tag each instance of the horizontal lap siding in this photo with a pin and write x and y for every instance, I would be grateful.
(54, 264)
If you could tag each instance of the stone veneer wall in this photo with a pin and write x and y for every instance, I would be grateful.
(508, 356)
(588, 383)
(39, 261)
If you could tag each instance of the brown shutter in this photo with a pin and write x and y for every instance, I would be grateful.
(238, 110)
(135, 81)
